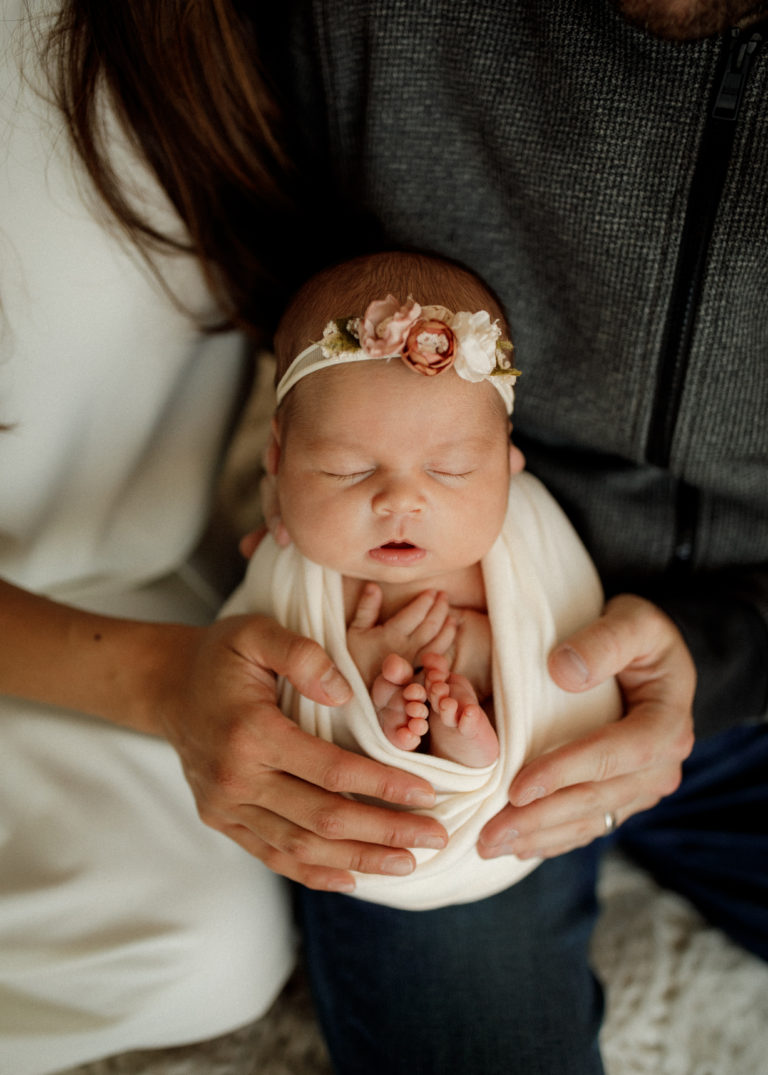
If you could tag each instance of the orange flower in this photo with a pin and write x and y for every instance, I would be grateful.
(429, 347)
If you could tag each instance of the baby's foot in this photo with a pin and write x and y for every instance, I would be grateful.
(400, 703)
(460, 729)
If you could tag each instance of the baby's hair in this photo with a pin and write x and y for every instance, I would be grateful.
(347, 289)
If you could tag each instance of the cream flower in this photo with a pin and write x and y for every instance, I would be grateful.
(477, 338)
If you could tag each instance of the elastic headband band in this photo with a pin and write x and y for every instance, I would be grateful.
(428, 339)
(312, 359)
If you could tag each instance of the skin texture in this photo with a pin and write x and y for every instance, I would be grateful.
(359, 469)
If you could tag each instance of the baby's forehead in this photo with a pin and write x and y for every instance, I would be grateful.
(352, 407)
(321, 439)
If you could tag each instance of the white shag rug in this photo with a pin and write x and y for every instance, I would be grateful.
(681, 1000)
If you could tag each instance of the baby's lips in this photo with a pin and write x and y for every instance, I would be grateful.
(402, 553)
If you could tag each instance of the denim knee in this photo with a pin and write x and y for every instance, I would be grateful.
(498, 986)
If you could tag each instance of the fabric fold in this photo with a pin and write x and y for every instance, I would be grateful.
(540, 586)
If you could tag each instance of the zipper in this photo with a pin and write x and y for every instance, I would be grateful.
(703, 200)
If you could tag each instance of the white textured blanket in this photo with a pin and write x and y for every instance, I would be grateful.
(540, 586)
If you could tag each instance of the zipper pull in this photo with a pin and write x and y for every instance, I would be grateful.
(740, 57)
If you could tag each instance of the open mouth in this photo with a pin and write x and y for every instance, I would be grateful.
(398, 553)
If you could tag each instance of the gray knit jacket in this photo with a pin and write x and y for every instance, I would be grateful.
(612, 189)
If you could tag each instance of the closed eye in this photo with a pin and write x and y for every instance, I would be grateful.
(452, 475)
(356, 475)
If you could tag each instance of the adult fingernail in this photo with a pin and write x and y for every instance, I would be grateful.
(335, 686)
(419, 797)
(571, 666)
(502, 846)
(400, 865)
(530, 795)
(435, 843)
(340, 886)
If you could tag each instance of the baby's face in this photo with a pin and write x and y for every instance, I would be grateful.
(389, 475)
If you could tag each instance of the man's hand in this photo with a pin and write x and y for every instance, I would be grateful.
(560, 801)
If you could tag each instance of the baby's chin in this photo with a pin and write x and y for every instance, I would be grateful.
(689, 20)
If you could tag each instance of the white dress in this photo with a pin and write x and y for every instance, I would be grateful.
(124, 921)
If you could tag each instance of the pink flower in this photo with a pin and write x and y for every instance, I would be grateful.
(385, 326)
(429, 347)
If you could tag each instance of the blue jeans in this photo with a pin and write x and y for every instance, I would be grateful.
(503, 985)
(498, 986)
(709, 841)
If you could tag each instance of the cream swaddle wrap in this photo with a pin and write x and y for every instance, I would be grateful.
(540, 586)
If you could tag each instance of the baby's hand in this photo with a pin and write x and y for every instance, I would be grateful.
(425, 623)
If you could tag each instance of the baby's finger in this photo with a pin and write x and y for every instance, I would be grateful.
(441, 642)
(366, 613)
(428, 608)
(434, 622)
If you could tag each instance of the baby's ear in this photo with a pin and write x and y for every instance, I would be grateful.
(516, 459)
(272, 450)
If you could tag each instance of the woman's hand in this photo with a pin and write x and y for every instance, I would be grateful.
(211, 691)
(568, 797)
(275, 790)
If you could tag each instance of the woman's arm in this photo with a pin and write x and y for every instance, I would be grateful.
(210, 691)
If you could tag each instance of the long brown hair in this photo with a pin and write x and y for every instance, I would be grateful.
(186, 81)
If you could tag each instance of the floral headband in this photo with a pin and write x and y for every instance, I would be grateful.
(429, 340)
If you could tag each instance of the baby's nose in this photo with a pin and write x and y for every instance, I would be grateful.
(399, 496)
